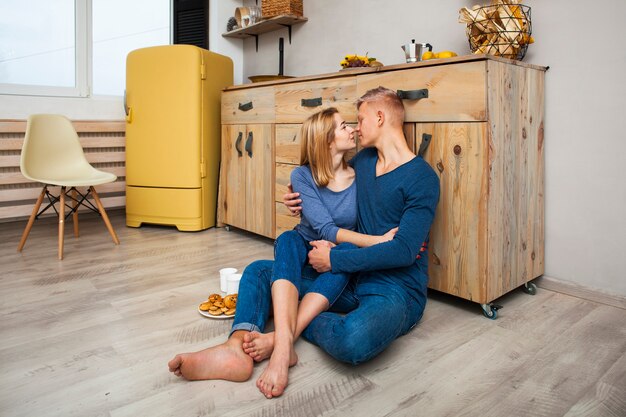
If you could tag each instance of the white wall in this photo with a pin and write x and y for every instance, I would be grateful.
(585, 143)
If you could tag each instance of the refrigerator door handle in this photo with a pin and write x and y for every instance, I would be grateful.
(127, 110)
(238, 144)
(249, 144)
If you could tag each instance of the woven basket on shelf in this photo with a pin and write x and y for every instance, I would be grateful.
(501, 29)
(271, 8)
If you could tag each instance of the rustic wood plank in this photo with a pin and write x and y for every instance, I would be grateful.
(459, 154)
(9, 161)
(455, 92)
(515, 207)
(31, 193)
(19, 126)
(340, 93)
(606, 397)
(261, 101)
(390, 68)
(258, 181)
(12, 212)
(288, 144)
(282, 178)
(100, 141)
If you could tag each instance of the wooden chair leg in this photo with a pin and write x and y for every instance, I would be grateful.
(75, 214)
(103, 213)
(61, 221)
(31, 219)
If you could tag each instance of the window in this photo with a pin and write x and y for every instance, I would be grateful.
(46, 47)
(120, 26)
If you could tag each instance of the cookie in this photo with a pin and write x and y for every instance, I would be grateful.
(205, 306)
(229, 312)
(230, 301)
(216, 312)
(215, 297)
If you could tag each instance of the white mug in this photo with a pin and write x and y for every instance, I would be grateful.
(224, 273)
(232, 283)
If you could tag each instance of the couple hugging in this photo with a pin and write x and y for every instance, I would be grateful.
(352, 276)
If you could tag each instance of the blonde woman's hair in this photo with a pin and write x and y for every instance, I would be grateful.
(317, 133)
(389, 99)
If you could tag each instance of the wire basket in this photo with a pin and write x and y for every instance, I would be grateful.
(500, 29)
(271, 8)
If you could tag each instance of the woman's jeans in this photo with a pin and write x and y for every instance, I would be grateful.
(291, 256)
(376, 313)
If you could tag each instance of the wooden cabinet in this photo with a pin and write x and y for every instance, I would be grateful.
(488, 235)
(485, 118)
(246, 177)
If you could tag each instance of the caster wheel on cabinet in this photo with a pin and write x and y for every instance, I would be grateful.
(490, 310)
(530, 288)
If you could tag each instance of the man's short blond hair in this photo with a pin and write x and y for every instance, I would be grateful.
(387, 99)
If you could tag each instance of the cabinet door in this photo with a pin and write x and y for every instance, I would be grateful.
(259, 201)
(233, 176)
(458, 153)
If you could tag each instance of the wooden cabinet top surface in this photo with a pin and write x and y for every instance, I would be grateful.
(366, 70)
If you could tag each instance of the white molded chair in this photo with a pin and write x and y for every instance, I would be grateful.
(52, 155)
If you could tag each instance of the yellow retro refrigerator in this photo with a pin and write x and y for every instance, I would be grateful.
(172, 105)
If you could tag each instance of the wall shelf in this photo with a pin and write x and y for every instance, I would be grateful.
(264, 26)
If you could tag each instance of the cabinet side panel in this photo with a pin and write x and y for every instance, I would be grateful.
(515, 229)
(457, 257)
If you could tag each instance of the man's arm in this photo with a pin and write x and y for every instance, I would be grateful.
(292, 201)
(402, 250)
(294, 204)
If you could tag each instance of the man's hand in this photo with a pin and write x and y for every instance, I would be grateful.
(319, 256)
(292, 202)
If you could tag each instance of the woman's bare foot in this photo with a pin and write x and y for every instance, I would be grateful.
(226, 361)
(273, 380)
(259, 345)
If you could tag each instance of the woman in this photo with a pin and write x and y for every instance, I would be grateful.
(326, 184)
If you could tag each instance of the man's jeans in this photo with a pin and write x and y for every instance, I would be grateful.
(376, 314)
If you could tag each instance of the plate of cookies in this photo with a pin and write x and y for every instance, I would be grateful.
(218, 307)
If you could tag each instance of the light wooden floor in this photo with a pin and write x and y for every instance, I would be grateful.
(91, 336)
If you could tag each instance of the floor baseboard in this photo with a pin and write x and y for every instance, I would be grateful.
(580, 291)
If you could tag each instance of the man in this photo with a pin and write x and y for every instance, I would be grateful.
(388, 294)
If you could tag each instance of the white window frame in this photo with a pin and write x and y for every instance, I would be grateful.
(82, 61)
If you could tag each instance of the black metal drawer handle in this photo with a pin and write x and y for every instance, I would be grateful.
(424, 145)
(311, 102)
(246, 106)
(413, 94)
(249, 144)
(238, 143)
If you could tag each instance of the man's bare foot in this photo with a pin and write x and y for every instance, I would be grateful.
(273, 380)
(259, 345)
(226, 361)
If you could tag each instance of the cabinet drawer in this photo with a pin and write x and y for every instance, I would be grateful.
(456, 92)
(250, 105)
(282, 177)
(288, 143)
(284, 220)
(317, 95)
